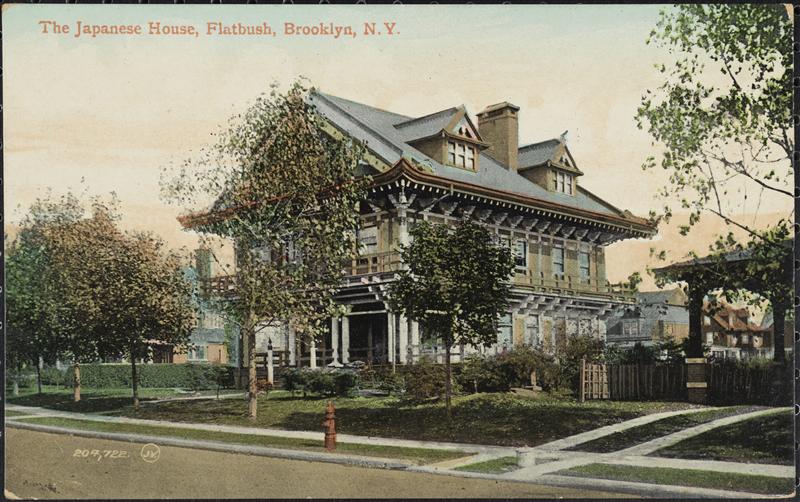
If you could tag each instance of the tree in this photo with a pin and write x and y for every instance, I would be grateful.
(146, 297)
(723, 120)
(29, 314)
(455, 284)
(286, 195)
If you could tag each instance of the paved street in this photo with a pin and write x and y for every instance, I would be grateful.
(44, 465)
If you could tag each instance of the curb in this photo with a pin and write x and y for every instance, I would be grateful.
(262, 451)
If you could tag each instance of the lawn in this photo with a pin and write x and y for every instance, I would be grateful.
(416, 455)
(765, 440)
(499, 419)
(647, 432)
(92, 400)
(494, 466)
(13, 413)
(767, 485)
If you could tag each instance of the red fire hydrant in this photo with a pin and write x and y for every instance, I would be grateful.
(330, 427)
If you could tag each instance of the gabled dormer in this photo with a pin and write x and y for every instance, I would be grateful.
(448, 137)
(550, 165)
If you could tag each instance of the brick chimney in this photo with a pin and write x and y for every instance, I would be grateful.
(498, 125)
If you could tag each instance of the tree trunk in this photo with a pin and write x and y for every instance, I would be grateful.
(16, 379)
(76, 384)
(447, 384)
(695, 305)
(134, 381)
(39, 377)
(252, 384)
(778, 331)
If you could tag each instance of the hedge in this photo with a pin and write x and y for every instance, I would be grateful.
(100, 376)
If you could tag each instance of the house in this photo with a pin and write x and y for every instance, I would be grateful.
(449, 165)
(208, 338)
(768, 325)
(657, 316)
(729, 333)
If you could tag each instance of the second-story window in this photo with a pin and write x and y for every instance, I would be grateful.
(521, 253)
(558, 262)
(583, 265)
(630, 328)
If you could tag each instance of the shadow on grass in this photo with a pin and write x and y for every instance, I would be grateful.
(91, 401)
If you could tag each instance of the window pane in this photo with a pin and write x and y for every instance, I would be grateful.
(521, 253)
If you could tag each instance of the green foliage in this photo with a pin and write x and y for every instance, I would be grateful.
(321, 381)
(569, 353)
(425, 380)
(104, 376)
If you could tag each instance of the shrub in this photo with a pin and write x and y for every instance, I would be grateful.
(188, 376)
(483, 374)
(324, 382)
(568, 356)
(426, 380)
(392, 384)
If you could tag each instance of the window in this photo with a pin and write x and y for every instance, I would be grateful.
(197, 353)
(562, 182)
(504, 331)
(630, 328)
(368, 240)
(558, 262)
(460, 155)
(521, 253)
(583, 265)
(532, 331)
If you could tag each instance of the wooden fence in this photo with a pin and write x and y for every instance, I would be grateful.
(768, 384)
(631, 381)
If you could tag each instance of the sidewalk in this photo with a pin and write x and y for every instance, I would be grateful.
(539, 464)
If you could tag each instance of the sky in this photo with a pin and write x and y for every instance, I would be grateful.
(104, 114)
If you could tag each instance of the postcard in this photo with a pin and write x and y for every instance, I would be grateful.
(429, 251)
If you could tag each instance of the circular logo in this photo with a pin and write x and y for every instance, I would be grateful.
(150, 452)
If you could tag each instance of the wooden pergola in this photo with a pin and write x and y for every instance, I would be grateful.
(733, 271)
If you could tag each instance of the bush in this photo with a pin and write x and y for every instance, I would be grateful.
(392, 384)
(483, 374)
(324, 382)
(426, 380)
(569, 355)
(501, 372)
(103, 376)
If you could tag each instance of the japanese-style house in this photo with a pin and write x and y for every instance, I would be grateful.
(449, 165)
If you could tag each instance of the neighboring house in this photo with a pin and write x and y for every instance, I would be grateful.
(446, 166)
(768, 324)
(729, 334)
(208, 338)
(657, 316)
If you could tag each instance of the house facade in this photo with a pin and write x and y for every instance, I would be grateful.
(729, 333)
(657, 316)
(447, 166)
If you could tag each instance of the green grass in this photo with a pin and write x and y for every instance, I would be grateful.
(766, 440)
(494, 466)
(417, 455)
(767, 485)
(647, 432)
(13, 413)
(92, 400)
(497, 419)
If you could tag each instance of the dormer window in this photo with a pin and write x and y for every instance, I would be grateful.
(461, 155)
(562, 182)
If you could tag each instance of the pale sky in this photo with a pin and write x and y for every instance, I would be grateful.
(107, 113)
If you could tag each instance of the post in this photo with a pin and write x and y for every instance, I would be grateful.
(415, 339)
(345, 339)
(370, 354)
(330, 427)
(270, 366)
(390, 338)
(292, 346)
(696, 381)
(335, 341)
(403, 348)
(312, 354)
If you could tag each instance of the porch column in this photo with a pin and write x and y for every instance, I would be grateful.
(292, 346)
(390, 337)
(414, 340)
(403, 348)
(335, 341)
(312, 354)
(345, 339)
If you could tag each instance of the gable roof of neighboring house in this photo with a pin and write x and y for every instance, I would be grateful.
(388, 134)
(730, 318)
